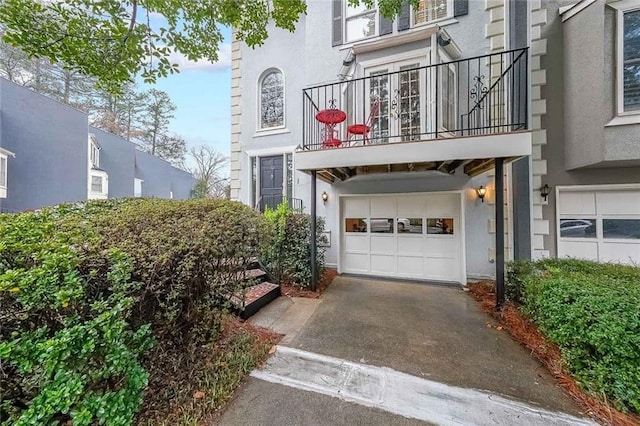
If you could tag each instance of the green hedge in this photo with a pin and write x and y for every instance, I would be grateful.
(287, 255)
(86, 290)
(592, 312)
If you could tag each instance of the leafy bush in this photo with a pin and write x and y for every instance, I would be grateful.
(287, 255)
(592, 312)
(86, 289)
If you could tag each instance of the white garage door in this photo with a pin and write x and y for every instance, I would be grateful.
(602, 225)
(408, 236)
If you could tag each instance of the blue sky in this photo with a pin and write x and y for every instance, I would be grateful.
(202, 94)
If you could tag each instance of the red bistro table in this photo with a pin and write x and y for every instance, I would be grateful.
(330, 118)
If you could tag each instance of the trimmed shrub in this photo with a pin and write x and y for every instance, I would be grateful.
(592, 312)
(287, 256)
(86, 290)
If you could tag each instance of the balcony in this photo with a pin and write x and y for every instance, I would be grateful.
(404, 117)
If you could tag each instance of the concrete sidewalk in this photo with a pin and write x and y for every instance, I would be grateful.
(426, 331)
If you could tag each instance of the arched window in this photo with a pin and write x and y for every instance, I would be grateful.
(272, 100)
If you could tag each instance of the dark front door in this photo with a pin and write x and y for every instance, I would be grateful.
(271, 175)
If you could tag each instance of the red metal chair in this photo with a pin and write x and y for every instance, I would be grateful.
(330, 139)
(364, 129)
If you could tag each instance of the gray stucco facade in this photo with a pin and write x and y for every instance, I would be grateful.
(306, 58)
(578, 141)
(583, 148)
(50, 143)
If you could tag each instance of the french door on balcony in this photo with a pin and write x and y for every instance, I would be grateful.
(400, 88)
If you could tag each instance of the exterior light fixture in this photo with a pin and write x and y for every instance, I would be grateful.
(545, 191)
(482, 191)
(325, 197)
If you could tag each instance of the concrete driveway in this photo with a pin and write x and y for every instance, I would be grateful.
(430, 332)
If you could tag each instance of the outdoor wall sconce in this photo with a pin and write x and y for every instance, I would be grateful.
(545, 191)
(325, 197)
(482, 191)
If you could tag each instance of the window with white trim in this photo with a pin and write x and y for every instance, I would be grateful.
(432, 10)
(360, 22)
(629, 60)
(271, 114)
(3, 171)
(94, 155)
(137, 187)
(96, 183)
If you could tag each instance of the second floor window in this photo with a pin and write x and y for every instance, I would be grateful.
(360, 22)
(631, 61)
(431, 10)
(272, 100)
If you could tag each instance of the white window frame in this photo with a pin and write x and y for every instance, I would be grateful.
(98, 195)
(622, 7)
(3, 172)
(94, 155)
(449, 16)
(137, 181)
(259, 128)
(93, 177)
(345, 19)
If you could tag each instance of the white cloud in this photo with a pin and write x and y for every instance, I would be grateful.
(224, 61)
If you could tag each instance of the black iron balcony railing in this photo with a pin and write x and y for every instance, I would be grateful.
(483, 95)
(273, 201)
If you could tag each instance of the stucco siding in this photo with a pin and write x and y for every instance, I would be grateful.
(50, 143)
(117, 158)
(580, 101)
(160, 178)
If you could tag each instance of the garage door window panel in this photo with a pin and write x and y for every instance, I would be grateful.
(381, 225)
(440, 226)
(355, 225)
(578, 228)
(410, 226)
(621, 229)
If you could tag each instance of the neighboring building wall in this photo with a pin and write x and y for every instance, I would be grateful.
(160, 178)
(561, 119)
(117, 158)
(50, 143)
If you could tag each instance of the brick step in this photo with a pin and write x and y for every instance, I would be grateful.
(255, 298)
(255, 274)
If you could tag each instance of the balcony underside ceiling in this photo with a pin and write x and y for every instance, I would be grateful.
(470, 167)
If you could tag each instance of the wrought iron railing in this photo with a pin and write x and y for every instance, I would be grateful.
(273, 201)
(482, 95)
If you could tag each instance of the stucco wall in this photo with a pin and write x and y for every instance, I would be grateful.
(577, 115)
(117, 158)
(160, 178)
(50, 143)
(307, 58)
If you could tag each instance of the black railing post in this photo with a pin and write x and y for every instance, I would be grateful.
(499, 184)
(313, 241)
(437, 101)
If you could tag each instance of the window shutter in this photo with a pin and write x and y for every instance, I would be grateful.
(336, 37)
(404, 18)
(385, 25)
(460, 7)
